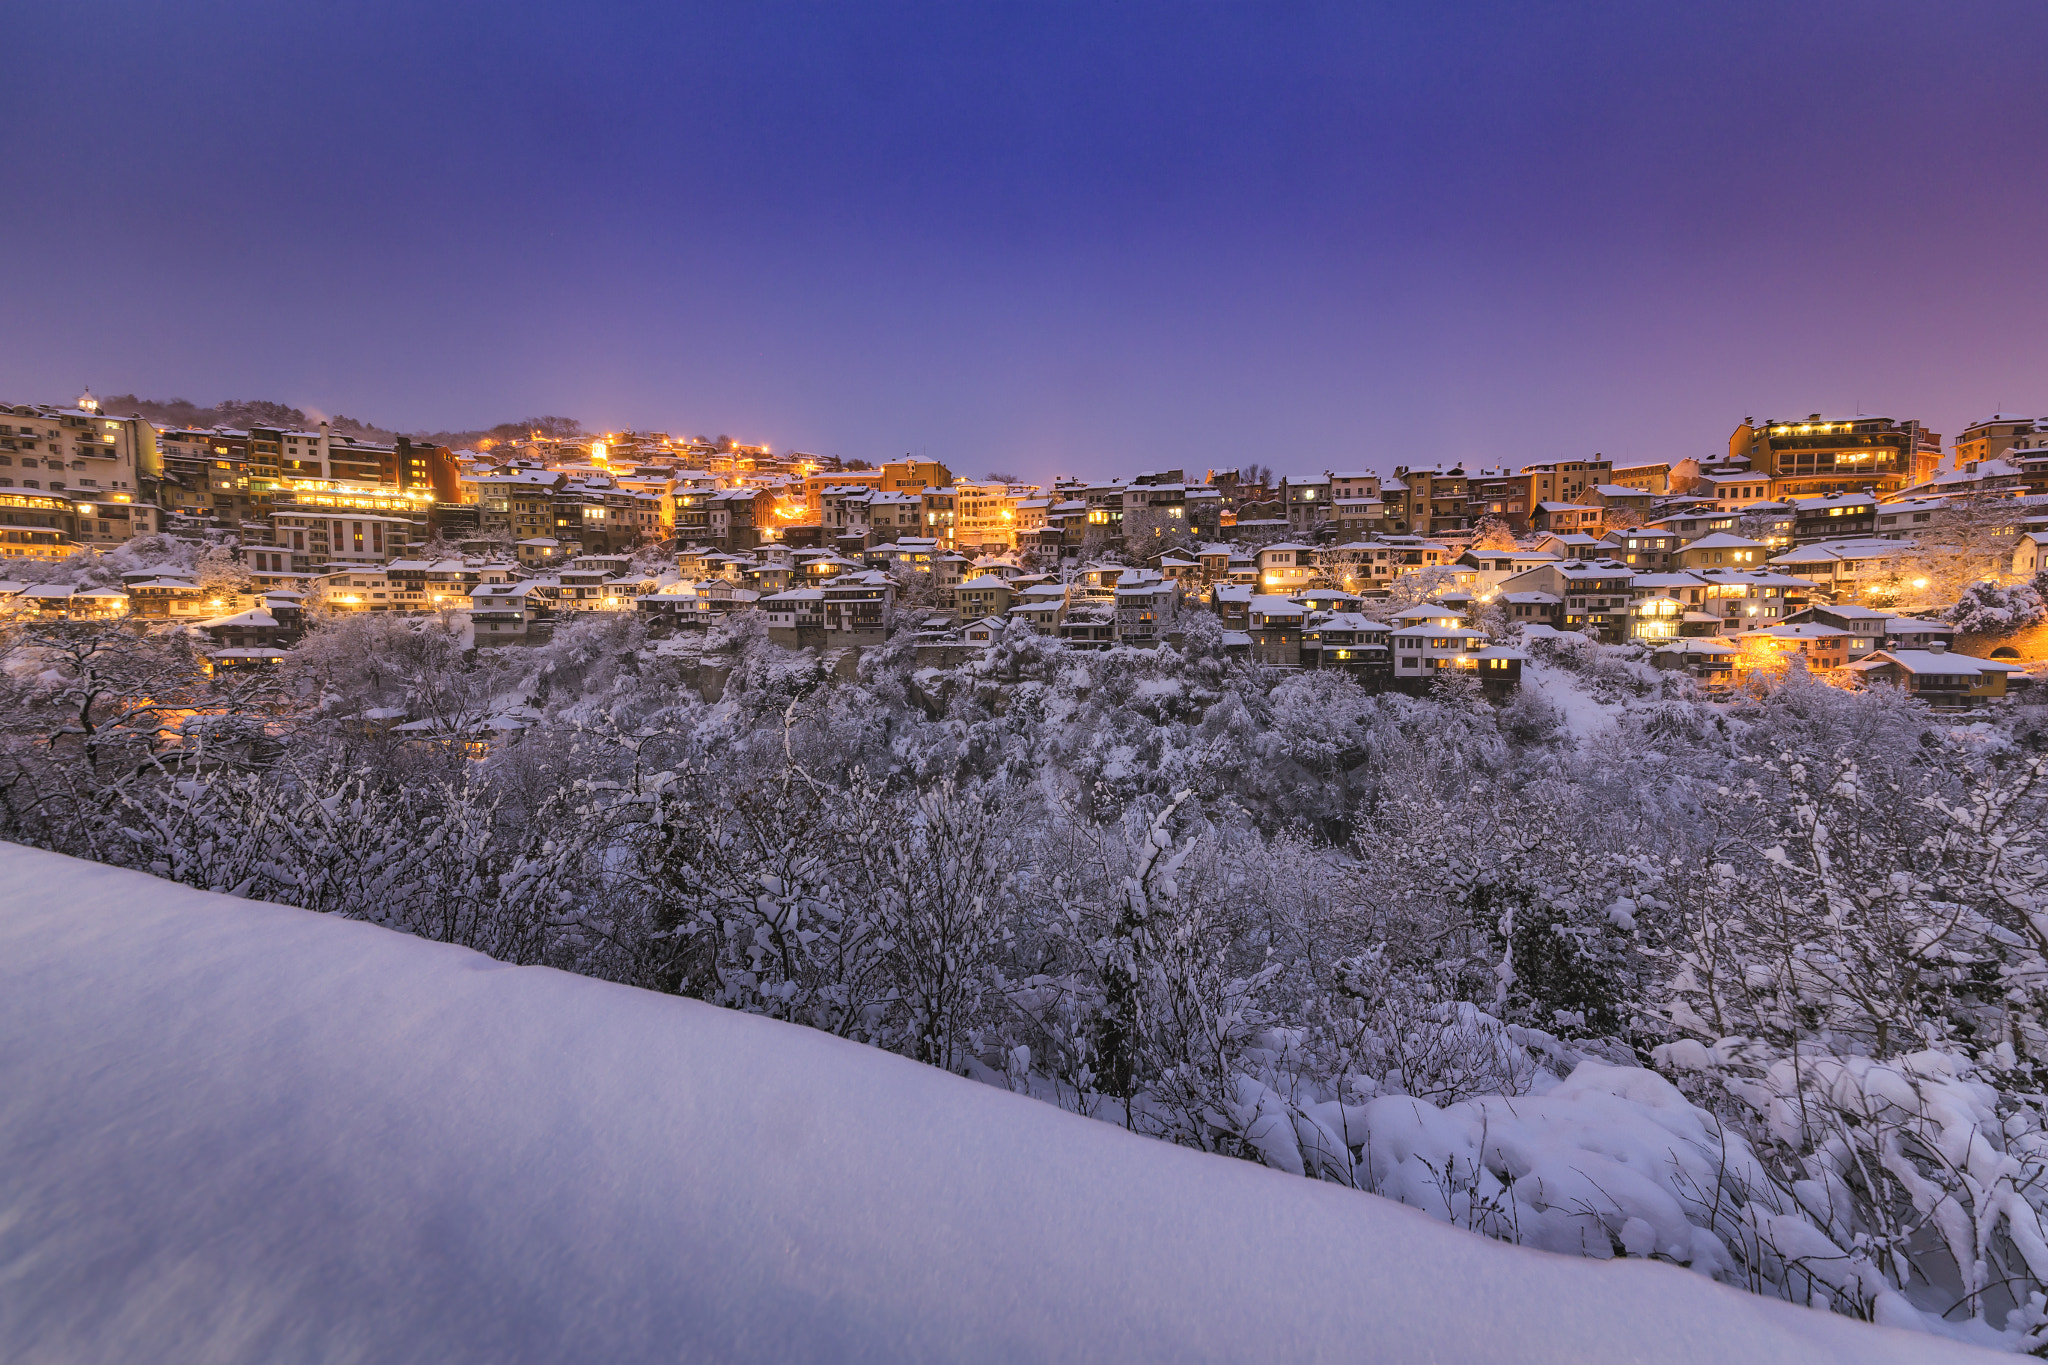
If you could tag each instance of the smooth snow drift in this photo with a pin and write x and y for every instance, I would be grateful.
(239, 1132)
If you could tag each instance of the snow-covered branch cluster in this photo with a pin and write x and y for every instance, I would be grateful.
(1756, 987)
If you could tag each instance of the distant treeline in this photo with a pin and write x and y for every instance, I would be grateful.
(248, 412)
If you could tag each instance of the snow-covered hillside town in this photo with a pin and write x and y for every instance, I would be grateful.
(1642, 863)
(1856, 550)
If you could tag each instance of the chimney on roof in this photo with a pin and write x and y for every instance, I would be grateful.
(1937, 647)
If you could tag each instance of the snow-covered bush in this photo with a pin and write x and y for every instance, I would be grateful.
(1987, 609)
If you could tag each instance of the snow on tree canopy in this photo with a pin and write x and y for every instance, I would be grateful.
(233, 1131)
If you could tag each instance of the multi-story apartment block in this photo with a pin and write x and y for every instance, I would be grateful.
(1834, 516)
(1712, 602)
(1103, 523)
(891, 516)
(1567, 480)
(1567, 518)
(1147, 612)
(1307, 502)
(317, 539)
(1433, 641)
(1734, 489)
(1516, 498)
(818, 485)
(856, 607)
(2001, 436)
(1426, 502)
(107, 467)
(1032, 516)
(1720, 550)
(1275, 622)
(1646, 549)
(1660, 479)
(1816, 455)
(941, 514)
(1287, 567)
(1913, 517)
(980, 596)
(1356, 644)
(1843, 569)
(1347, 485)
(985, 515)
(36, 525)
(1159, 508)
(436, 584)
(1593, 594)
(740, 518)
(357, 588)
(514, 504)
(206, 476)
(914, 476)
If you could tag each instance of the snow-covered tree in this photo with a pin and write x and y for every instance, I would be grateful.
(1492, 533)
(1984, 608)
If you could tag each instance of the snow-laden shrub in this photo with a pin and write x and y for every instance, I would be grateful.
(1987, 609)
(1575, 651)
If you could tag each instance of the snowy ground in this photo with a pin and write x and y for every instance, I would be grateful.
(238, 1132)
(1584, 715)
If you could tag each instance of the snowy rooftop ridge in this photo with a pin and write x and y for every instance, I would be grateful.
(566, 1169)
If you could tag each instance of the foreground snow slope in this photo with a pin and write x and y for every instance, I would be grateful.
(239, 1132)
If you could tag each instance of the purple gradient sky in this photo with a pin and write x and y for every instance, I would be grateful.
(1043, 237)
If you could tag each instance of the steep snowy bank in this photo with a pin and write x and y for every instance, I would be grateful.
(239, 1132)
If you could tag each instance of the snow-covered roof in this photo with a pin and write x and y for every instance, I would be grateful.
(1349, 620)
(1722, 540)
(1938, 662)
(1439, 633)
(1803, 630)
(254, 620)
(1823, 551)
